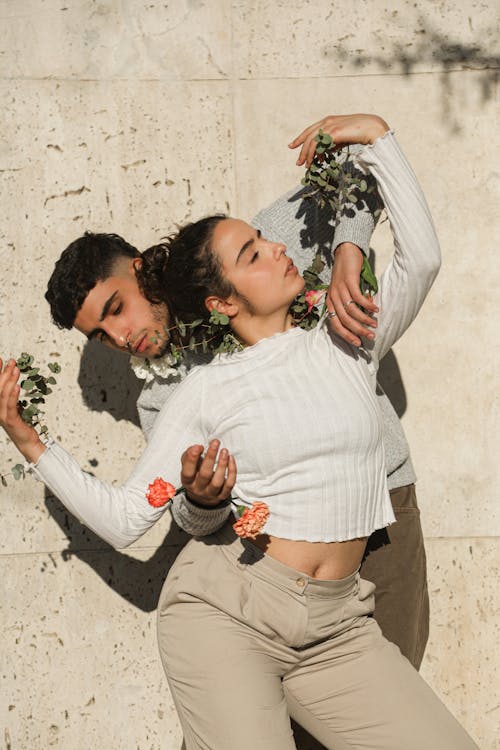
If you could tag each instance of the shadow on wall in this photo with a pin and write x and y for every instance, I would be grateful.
(108, 383)
(139, 582)
(433, 48)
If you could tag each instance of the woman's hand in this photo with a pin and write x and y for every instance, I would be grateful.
(24, 436)
(345, 298)
(343, 129)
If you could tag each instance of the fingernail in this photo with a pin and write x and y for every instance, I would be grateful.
(223, 453)
(370, 336)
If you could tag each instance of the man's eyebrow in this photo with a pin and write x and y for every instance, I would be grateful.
(104, 312)
(248, 244)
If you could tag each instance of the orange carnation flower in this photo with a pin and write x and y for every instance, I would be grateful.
(160, 492)
(250, 523)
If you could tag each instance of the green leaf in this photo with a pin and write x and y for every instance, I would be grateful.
(368, 276)
(51, 380)
(218, 318)
(30, 411)
(24, 361)
(27, 385)
(18, 471)
(325, 138)
(54, 367)
(318, 264)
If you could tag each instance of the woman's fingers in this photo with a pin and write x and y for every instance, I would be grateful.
(349, 321)
(357, 128)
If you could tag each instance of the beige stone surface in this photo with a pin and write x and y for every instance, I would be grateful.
(462, 661)
(304, 38)
(127, 116)
(80, 666)
(99, 39)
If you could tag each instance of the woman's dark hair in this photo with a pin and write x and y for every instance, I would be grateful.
(183, 271)
(82, 264)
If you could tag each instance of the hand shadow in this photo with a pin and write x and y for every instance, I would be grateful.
(139, 582)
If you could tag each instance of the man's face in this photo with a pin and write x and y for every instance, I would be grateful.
(116, 314)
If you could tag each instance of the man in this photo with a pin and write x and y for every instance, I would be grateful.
(94, 289)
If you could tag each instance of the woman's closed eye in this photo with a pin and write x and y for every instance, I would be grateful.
(254, 257)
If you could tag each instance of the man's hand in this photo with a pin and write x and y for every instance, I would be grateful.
(208, 481)
(344, 296)
(22, 435)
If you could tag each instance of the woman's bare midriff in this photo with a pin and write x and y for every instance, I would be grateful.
(324, 560)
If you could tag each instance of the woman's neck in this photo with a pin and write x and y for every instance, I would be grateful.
(251, 329)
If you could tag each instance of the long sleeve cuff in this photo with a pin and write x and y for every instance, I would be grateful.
(198, 521)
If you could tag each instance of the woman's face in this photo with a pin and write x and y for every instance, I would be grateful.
(257, 268)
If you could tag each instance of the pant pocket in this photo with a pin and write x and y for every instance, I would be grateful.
(362, 602)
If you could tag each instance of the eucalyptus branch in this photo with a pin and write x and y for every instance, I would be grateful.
(335, 183)
(34, 388)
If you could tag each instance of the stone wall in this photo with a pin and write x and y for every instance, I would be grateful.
(130, 116)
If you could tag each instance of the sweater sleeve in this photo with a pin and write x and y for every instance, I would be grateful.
(120, 515)
(307, 228)
(406, 281)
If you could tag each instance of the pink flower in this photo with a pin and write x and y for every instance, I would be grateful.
(160, 492)
(251, 522)
(313, 296)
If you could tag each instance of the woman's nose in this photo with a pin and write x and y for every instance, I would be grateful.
(279, 249)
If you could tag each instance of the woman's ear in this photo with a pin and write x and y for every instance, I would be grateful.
(223, 306)
(136, 265)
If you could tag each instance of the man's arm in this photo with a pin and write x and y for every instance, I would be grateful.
(306, 229)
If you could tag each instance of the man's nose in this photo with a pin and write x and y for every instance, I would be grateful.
(119, 335)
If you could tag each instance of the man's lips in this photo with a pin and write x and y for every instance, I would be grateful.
(140, 344)
(290, 268)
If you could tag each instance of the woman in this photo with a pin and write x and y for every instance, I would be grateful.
(251, 633)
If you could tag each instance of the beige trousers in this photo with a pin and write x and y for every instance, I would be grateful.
(247, 642)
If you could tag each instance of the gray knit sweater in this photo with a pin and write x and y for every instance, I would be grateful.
(304, 228)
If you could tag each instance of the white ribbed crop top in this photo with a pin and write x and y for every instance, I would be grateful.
(297, 410)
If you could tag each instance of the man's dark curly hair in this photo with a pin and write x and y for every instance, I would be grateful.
(85, 261)
(183, 271)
